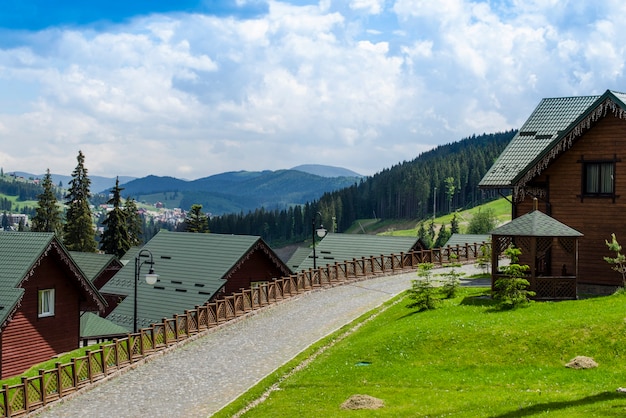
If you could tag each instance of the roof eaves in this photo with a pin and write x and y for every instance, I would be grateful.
(594, 111)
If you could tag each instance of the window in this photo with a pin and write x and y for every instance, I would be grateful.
(598, 178)
(46, 303)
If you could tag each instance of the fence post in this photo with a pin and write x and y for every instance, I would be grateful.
(89, 373)
(5, 397)
(25, 384)
(59, 381)
(43, 387)
(104, 360)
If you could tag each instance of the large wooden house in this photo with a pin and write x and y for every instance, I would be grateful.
(42, 293)
(193, 269)
(570, 158)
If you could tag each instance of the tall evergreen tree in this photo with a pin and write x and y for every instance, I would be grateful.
(78, 231)
(454, 225)
(48, 214)
(115, 238)
(134, 222)
(442, 237)
(5, 222)
(196, 220)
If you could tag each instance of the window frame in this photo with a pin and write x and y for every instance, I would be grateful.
(50, 298)
(598, 190)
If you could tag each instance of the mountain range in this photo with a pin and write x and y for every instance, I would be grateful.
(230, 192)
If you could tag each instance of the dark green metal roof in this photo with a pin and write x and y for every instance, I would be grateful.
(19, 254)
(549, 123)
(92, 264)
(197, 268)
(535, 224)
(93, 326)
(345, 247)
(298, 257)
(462, 239)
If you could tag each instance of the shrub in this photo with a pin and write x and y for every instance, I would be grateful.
(512, 290)
(422, 292)
(483, 261)
(451, 283)
(619, 261)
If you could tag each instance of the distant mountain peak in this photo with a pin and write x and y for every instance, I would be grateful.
(326, 170)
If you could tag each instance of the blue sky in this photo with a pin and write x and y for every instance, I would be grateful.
(194, 88)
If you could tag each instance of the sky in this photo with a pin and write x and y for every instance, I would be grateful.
(192, 88)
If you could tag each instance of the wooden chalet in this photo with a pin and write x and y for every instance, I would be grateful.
(570, 155)
(42, 293)
(337, 248)
(193, 269)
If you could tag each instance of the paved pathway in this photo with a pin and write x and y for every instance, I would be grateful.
(202, 376)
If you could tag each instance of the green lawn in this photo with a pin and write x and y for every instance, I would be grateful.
(464, 359)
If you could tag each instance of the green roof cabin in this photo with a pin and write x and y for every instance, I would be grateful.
(42, 293)
(570, 155)
(337, 248)
(193, 269)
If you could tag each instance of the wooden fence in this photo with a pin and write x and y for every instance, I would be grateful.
(50, 385)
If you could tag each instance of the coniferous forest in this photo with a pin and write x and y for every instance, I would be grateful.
(442, 180)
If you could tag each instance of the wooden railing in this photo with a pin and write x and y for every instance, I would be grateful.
(50, 385)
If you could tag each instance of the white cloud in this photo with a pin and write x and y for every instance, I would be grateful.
(372, 7)
(351, 85)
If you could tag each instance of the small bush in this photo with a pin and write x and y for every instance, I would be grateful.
(422, 292)
(483, 261)
(512, 291)
(451, 284)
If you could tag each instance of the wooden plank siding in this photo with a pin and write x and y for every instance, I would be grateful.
(27, 339)
(257, 267)
(595, 217)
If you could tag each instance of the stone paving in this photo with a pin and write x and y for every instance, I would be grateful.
(202, 376)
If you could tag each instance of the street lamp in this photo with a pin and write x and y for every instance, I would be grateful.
(321, 232)
(151, 278)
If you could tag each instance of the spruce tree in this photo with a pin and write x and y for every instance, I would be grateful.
(47, 216)
(454, 226)
(115, 238)
(134, 222)
(442, 237)
(196, 221)
(78, 231)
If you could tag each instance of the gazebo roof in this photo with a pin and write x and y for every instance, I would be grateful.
(536, 224)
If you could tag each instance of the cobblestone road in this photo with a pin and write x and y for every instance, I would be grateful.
(202, 376)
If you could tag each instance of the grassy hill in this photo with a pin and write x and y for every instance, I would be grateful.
(409, 228)
(464, 359)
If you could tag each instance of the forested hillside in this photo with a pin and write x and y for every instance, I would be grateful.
(445, 178)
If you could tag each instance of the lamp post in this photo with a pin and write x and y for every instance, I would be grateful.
(151, 278)
(321, 232)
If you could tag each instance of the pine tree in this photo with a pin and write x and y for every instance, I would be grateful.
(48, 215)
(442, 237)
(134, 222)
(78, 232)
(454, 225)
(115, 238)
(196, 221)
(5, 222)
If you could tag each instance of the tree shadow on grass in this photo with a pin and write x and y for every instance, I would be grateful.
(479, 300)
(542, 408)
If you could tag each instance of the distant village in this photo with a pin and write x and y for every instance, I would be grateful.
(157, 212)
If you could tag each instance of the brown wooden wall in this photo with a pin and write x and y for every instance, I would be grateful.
(258, 267)
(27, 339)
(596, 218)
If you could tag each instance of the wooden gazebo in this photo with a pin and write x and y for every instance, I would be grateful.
(549, 248)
